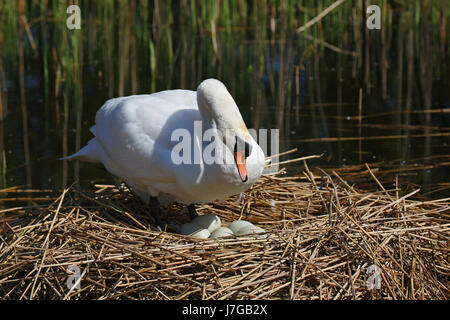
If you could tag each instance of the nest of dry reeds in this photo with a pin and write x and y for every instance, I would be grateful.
(325, 239)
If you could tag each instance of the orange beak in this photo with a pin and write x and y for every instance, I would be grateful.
(239, 157)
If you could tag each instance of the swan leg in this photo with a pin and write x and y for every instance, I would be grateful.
(192, 211)
(155, 210)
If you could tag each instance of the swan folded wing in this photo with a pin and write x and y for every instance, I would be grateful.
(187, 98)
(136, 136)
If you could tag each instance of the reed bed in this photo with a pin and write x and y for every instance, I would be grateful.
(323, 237)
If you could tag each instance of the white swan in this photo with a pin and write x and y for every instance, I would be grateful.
(134, 140)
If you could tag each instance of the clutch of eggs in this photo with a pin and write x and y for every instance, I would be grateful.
(209, 226)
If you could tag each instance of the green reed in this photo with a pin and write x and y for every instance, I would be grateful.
(142, 46)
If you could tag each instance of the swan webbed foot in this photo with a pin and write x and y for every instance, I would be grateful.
(192, 211)
(155, 211)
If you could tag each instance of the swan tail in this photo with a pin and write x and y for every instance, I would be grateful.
(89, 153)
(93, 131)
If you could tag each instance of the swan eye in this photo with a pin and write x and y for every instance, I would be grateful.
(248, 149)
(244, 146)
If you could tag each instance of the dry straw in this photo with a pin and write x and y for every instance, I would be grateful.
(322, 237)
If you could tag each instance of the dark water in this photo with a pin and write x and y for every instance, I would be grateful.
(278, 79)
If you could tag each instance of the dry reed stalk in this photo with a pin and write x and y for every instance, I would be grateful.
(322, 236)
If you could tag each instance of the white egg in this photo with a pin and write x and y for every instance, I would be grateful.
(249, 230)
(193, 230)
(221, 232)
(238, 224)
(190, 228)
(207, 221)
(201, 234)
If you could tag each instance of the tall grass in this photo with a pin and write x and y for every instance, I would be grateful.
(111, 27)
(143, 46)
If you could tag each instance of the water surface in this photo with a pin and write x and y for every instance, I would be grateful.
(307, 84)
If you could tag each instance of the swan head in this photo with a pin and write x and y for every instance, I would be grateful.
(218, 107)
